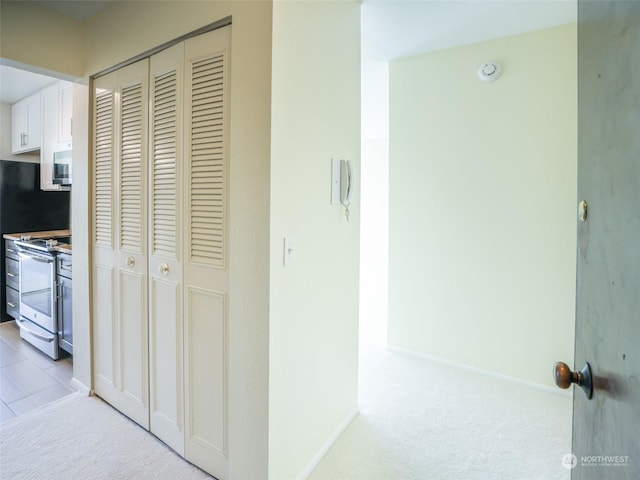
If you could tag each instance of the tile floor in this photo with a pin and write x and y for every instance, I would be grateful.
(28, 378)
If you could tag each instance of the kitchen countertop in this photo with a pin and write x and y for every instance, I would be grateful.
(44, 234)
(64, 249)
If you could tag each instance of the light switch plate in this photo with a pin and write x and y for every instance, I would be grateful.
(289, 252)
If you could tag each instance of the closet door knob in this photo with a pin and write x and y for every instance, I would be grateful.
(564, 377)
(164, 269)
(131, 262)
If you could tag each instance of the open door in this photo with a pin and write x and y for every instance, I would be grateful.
(606, 428)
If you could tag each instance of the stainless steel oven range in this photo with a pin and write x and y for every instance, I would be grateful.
(38, 320)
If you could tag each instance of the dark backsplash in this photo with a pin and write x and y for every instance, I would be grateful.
(26, 208)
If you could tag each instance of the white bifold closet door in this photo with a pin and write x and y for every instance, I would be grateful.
(178, 353)
(166, 352)
(206, 266)
(120, 326)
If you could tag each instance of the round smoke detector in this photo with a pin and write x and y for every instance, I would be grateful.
(490, 71)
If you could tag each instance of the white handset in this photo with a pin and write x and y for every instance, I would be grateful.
(345, 183)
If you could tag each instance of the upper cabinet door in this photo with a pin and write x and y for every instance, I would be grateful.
(18, 126)
(54, 129)
(26, 125)
(65, 114)
(34, 123)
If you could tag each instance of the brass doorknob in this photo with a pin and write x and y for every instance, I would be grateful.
(564, 377)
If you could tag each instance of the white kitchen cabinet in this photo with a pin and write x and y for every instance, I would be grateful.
(160, 271)
(57, 108)
(26, 124)
(65, 117)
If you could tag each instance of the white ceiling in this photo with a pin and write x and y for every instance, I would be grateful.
(16, 84)
(390, 28)
(401, 28)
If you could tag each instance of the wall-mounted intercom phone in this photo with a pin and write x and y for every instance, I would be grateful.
(345, 183)
(342, 184)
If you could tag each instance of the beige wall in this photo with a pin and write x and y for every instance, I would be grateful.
(483, 204)
(129, 28)
(33, 36)
(80, 207)
(314, 301)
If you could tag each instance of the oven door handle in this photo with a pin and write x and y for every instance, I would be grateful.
(37, 258)
(35, 334)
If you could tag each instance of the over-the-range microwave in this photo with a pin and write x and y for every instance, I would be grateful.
(62, 154)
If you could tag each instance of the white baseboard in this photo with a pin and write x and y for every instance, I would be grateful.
(317, 458)
(80, 387)
(482, 371)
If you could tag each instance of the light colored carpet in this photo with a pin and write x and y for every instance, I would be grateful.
(418, 420)
(424, 420)
(80, 437)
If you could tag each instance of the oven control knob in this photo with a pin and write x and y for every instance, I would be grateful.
(131, 262)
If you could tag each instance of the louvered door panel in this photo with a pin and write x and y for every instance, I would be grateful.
(207, 166)
(104, 304)
(165, 268)
(132, 268)
(103, 166)
(131, 167)
(205, 263)
(119, 285)
(164, 154)
(160, 280)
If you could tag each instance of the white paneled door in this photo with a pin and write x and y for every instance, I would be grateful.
(161, 161)
(104, 307)
(119, 247)
(205, 259)
(165, 247)
(131, 162)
